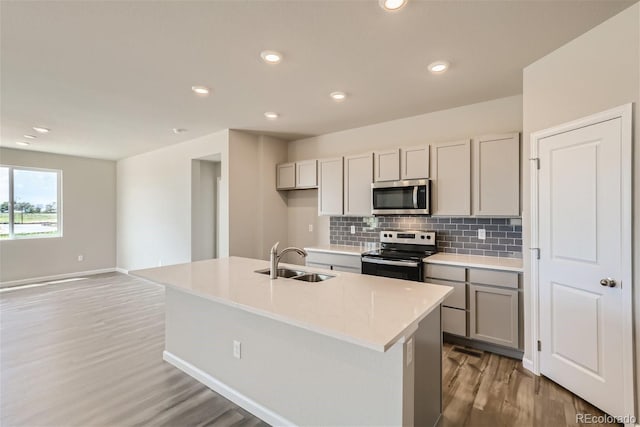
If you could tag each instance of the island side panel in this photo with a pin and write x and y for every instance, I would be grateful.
(428, 370)
(301, 376)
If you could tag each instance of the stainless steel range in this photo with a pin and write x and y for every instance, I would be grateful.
(400, 255)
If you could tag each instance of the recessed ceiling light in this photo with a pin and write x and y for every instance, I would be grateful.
(438, 67)
(271, 115)
(200, 90)
(338, 96)
(271, 56)
(41, 129)
(178, 130)
(29, 136)
(22, 143)
(392, 5)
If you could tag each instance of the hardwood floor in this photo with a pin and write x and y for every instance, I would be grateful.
(89, 353)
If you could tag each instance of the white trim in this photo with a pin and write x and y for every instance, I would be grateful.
(221, 388)
(55, 277)
(625, 113)
(528, 364)
(121, 270)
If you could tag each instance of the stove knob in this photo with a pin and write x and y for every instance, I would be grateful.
(422, 237)
(390, 235)
(385, 235)
(428, 237)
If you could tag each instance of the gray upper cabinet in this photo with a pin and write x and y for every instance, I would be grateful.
(358, 176)
(496, 175)
(387, 165)
(307, 174)
(286, 176)
(414, 162)
(330, 186)
(451, 174)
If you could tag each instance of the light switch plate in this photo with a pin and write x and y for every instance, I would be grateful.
(353, 229)
(482, 234)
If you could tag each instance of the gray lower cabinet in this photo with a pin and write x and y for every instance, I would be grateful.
(493, 315)
(484, 305)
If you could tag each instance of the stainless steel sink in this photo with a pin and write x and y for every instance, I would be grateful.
(283, 272)
(312, 277)
(303, 276)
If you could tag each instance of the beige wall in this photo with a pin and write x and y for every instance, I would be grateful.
(258, 213)
(496, 116)
(89, 220)
(155, 207)
(597, 71)
(154, 203)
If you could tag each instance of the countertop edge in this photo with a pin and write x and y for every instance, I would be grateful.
(309, 327)
(357, 252)
(473, 264)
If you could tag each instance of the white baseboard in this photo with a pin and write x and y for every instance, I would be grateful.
(55, 277)
(122, 270)
(528, 365)
(219, 387)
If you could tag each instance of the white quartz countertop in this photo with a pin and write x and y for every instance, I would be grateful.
(476, 261)
(370, 311)
(339, 249)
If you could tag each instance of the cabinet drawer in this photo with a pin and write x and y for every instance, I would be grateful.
(507, 279)
(445, 272)
(352, 261)
(454, 321)
(458, 298)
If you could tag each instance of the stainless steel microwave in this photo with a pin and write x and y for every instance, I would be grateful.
(411, 197)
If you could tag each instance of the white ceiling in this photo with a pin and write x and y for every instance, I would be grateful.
(112, 78)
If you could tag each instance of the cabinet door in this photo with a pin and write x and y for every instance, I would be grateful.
(306, 174)
(387, 165)
(414, 162)
(358, 176)
(451, 174)
(330, 186)
(494, 315)
(285, 176)
(496, 175)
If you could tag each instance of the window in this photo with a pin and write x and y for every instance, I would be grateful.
(36, 209)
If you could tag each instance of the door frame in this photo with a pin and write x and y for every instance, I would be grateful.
(625, 113)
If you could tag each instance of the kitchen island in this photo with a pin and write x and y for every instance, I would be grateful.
(350, 350)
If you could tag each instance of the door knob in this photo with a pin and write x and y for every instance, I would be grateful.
(609, 282)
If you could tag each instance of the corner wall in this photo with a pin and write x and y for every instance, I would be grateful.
(88, 215)
(154, 203)
(595, 72)
(258, 212)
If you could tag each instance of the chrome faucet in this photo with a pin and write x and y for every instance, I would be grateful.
(275, 258)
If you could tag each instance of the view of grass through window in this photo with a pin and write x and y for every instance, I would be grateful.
(35, 209)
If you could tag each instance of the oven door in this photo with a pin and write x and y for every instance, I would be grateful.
(397, 269)
(400, 197)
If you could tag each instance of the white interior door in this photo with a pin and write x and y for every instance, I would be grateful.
(582, 196)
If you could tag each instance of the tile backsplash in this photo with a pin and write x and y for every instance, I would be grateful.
(454, 235)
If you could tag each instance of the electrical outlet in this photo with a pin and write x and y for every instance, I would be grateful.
(237, 348)
(482, 234)
(409, 351)
(80, 258)
(353, 229)
(310, 228)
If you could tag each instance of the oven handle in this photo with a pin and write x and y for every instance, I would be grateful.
(389, 262)
(415, 197)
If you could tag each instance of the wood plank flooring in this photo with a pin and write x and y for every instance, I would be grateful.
(89, 353)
